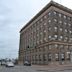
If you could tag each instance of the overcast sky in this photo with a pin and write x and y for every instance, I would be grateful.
(14, 14)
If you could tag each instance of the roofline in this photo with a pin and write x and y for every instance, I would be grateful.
(51, 3)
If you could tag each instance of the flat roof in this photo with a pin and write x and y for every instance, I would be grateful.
(51, 3)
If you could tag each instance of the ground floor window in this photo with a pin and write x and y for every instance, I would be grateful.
(62, 56)
(68, 55)
(49, 56)
(44, 57)
(57, 57)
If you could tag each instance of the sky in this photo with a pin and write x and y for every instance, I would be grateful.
(14, 14)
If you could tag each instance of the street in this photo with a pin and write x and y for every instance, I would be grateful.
(31, 69)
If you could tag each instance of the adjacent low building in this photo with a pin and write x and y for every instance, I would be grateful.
(47, 38)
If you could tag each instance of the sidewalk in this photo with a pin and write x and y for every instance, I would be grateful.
(52, 67)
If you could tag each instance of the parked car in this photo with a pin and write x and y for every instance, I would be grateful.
(26, 63)
(3, 63)
(9, 64)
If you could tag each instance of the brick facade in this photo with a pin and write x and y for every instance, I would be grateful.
(47, 38)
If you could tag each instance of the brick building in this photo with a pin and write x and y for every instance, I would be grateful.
(47, 38)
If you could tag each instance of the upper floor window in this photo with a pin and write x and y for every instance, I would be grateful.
(69, 24)
(50, 46)
(70, 31)
(69, 18)
(57, 57)
(49, 21)
(65, 30)
(55, 12)
(70, 39)
(61, 37)
(60, 21)
(55, 36)
(45, 17)
(65, 39)
(41, 33)
(55, 28)
(65, 23)
(44, 23)
(60, 15)
(55, 20)
(64, 16)
(49, 13)
(45, 39)
(60, 29)
(49, 36)
(41, 20)
(49, 28)
(56, 45)
(45, 31)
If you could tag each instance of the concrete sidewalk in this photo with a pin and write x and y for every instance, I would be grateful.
(52, 67)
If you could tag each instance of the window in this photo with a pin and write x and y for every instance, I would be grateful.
(49, 36)
(70, 39)
(62, 56)
(56, 45)
(65, 23)
(55, 36)
(49, 13)
(68, 56)
(49, 21)
(41, 20)
(54, 13)
(49, 28)
(44, 57)
(69, 18)
(65, 30)
(64, 16)
(49, 57)
(57, 57)
(69, 24)
(44, 23)
(45, 39)
(61, 29)
(37, 42)
(39, 57)
(65, 39)
(55, 20)
(41, 33)
(60, 21)
(41, 41)
(45, 17)
(61, 37)
(55, 28)
(60, 15)
(50, 46)
(61, 46)
(37, 28)
(45, 31)
(70, 31)
(37, 35)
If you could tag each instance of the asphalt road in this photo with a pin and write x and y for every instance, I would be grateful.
(17, 69)
(29, 69)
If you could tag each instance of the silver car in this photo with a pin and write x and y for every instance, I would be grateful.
(9, 64)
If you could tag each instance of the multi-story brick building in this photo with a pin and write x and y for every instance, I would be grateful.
(47, 38)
